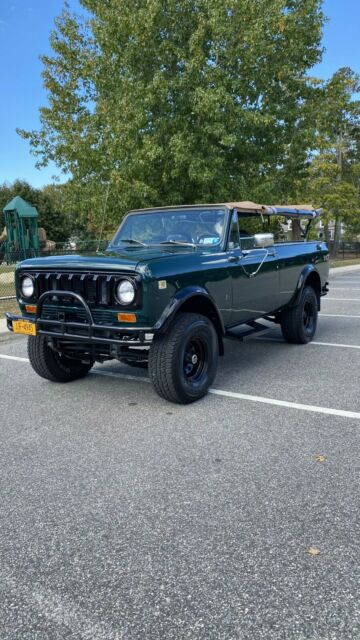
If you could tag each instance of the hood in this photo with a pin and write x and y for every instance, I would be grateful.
(124, 259)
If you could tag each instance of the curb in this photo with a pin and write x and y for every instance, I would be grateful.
(5, 334)
(335, 270)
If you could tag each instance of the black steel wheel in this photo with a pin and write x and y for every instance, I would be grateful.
(50, 365)
(195, 360)
(183, 362)
(299, 323)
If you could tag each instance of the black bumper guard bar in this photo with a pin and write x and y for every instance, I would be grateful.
(128, 335)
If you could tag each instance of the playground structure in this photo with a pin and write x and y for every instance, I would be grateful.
(21, 237)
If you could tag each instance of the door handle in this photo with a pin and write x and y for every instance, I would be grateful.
(233, 259)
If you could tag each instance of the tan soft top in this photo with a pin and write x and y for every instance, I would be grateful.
(246, 206)
(289, 210)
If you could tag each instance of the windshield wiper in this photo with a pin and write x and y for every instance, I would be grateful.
(179, 242)
(131, 241)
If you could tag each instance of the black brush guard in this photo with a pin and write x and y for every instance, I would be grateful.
(90, 331)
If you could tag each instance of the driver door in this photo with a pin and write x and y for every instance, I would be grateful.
(254, 274)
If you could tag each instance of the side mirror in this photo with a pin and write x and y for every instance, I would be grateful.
(262, 240)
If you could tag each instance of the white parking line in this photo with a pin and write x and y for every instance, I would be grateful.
(343, 289)
(327, 299)
(2, 355)
(313, 343)
(354, 415)
(348, 281)
(337, 315)
(113, 374)
(336, 344)
(290, 405)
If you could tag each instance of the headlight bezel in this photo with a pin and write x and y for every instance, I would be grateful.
(23, 277)
(134, 301)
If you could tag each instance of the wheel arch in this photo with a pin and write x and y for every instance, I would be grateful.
(308, 277)
(193, 300)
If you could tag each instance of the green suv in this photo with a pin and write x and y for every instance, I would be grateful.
(174, 283)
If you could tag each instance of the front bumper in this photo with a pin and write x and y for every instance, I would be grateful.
(89, 331)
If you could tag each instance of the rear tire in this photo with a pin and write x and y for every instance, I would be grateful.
(50, 365)
(183, 362)
(299, 324)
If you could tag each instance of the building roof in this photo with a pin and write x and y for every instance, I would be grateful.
(22, 208)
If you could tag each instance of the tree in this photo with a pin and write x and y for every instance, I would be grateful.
(81, 204)
(174, 101)
(335, 172)
(57, 224)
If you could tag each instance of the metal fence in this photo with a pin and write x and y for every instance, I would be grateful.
(55, 249)
(7, 290)
(7, 268)
(346, 251)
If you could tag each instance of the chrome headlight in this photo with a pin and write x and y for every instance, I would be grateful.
(27, 287)
(125, 292)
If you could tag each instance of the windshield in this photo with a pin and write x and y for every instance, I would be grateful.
(199, 227)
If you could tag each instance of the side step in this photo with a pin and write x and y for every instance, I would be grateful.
(246, 330)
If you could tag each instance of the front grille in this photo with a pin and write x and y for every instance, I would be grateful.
(96, 289)
(100, 316)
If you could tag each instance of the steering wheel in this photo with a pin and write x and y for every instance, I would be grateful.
(210, 234)
(179, 237)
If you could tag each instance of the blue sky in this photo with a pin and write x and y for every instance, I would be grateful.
(24, 31)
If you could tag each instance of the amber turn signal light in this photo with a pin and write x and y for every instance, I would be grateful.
(30, 308)
(126, 317)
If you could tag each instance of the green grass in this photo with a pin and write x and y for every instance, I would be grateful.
(7, 268)
(344, 263)
(8, 305)
(7, 289)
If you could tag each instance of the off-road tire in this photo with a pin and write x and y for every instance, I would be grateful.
(173, 354)
(299, 324)
(50, 365)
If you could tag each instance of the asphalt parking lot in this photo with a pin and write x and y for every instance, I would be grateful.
(125, 517)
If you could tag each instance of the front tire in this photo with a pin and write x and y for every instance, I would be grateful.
(52, 366)
(299, 324)
(183, 362)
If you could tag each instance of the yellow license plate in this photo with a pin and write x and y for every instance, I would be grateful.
(22, 326)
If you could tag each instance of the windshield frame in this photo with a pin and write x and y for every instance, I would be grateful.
(171, 210)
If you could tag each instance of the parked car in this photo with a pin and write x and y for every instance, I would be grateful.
(174, 283)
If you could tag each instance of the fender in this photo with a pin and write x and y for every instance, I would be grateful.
(183, 298)
(304, 276)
